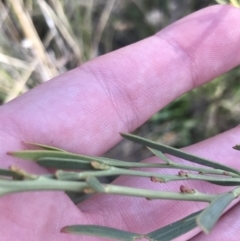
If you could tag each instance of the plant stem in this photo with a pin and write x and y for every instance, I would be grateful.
(202, 170)
(40, 184)
(152, 194)
(112, 171)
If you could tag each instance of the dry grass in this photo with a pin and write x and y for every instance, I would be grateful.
(41, 39)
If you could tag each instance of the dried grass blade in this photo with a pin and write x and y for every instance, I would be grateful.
(14, 61)
(70, 39)
(101, 26)
(47, 67)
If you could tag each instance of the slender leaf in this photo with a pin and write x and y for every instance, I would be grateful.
(178, 153)
(237, 147)
(95, 184)
(208, 218)
(175, 229)
(61, 163)
(9, 173)
(54, 155)
(45, 147)
(160, 155)
(101, 231)
(37, 154)
(229, 183)
(119, 163)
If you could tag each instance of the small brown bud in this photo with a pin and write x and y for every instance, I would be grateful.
(182, 174)
(184, 189)
(88, 190)
(157, 179)
(98, 165)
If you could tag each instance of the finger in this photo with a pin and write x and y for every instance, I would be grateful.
(85, 109)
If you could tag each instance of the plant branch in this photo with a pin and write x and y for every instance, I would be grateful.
(163, 178)
(43, 183)
(40, 184)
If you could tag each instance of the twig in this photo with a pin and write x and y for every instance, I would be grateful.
(163, 178)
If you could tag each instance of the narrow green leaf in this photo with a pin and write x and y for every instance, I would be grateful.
(237, 147)
(175, 229)
(178, 153)
(160, 155)
(95, 184)
(37, 154)
(224, 183)
(208, 218)
(101, 231)
(45, 147)
(82, 164)
(52, 155)
(9, 173)
(119, 163)
(61, 163)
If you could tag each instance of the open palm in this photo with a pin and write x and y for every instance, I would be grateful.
(84, 110)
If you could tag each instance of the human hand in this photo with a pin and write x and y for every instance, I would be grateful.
(84, 110)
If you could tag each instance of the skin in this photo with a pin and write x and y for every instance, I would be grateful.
(84, 110)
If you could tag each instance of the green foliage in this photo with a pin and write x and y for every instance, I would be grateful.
(79, 183)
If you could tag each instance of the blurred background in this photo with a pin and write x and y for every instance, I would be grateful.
(41, 39)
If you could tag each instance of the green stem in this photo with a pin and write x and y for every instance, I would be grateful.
(43, 184)
(112, 171)
(40, 184)
(151, 194)
(202, 170)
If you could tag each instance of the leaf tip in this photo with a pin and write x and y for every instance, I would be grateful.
(202, 227)
(10, 153)
(236, 147)
(122, 134)
(64, 230)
